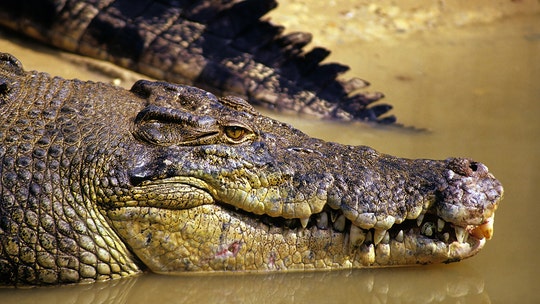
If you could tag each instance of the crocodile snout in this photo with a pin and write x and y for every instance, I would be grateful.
(472, 193)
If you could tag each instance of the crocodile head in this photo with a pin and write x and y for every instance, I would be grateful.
(214, 186)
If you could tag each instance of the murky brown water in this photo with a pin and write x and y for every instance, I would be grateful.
(477, 89)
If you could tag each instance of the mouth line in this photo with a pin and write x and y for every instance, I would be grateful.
(427, 226)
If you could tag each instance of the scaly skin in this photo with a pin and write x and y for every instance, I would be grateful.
(98, 182)
(221, 46)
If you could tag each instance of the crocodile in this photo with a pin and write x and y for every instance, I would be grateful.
(99, 182)
(221, 46)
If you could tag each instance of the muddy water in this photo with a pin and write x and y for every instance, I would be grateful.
(477, 91)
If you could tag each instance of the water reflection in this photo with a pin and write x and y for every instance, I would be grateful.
(117, 291)
(430, 284)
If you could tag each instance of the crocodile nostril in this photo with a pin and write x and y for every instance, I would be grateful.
(467, 167)
(477, 169)
(480, 169)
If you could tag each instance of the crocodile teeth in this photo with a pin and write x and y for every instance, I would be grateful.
(446, 237)
(333, 216)
(461, 234)
(427, 228)
(357, 236)
(322, 221)
(399, 236)
(370, 254)
(378, 235)
(386, 238)
(419, 220)
(304, 222)
(440, 224)
(339, 224)
(483, 231)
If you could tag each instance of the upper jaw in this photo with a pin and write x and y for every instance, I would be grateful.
(423, 222)
(460, 211)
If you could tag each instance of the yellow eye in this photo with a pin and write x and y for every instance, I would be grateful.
(235, 133)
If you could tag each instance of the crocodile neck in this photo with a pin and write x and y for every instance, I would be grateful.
(57, 235)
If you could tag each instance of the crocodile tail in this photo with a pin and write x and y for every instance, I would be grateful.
(223, 46)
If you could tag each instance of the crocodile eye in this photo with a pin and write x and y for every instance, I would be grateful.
(235, 133)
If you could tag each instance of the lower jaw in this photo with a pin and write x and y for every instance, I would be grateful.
(209, 238)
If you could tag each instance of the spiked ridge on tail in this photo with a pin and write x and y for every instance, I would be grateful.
(222, 46)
